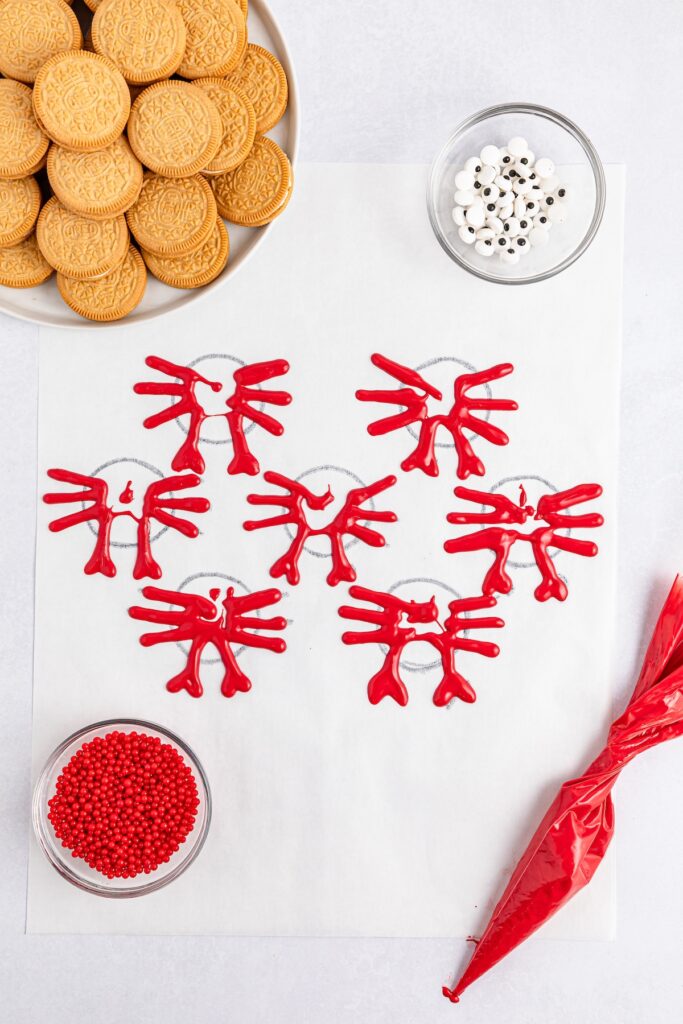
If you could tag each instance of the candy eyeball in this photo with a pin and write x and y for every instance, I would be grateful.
(475, 215)
(473, 165)
(467, 234)
(545, 167)
(487, 175)
(562, 193)
(463, 197)
(510, 255)
(517, 147)
(520, 241)
(458, 214)
(541, 221)
(525, 226)
(484, 247)
(496, 225)
(532, 208)
(464, 181)
(490, 155)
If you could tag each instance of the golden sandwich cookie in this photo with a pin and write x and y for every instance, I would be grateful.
(281, 208)
(194, 269)
(262, 79)
(110, 297)
(32, 31)
(174, 129)
(145, 39)
(23, 265)
(78, 246)
(172, 216)
(257, 191)
(238, 120)
(103, 183)
(216, 37)
(19, 207)
(23, 143)
(82, 100)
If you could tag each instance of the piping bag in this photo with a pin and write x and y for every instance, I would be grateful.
(573, 837)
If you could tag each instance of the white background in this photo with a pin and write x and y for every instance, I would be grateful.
(387, 82)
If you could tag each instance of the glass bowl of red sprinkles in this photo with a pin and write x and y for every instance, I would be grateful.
(122, 808)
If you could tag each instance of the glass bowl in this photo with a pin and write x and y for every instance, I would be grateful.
(76, 870)
(549, 134)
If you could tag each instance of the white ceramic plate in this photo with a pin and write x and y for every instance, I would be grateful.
(43, 305)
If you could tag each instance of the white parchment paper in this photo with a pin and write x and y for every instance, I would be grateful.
(331, 816)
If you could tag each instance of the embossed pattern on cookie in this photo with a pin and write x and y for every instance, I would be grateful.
(23, 143)
(262, 78)
(81, 99)
(111, 296)
(173, 216)
(174, 129)
(32, 31)
(103, 183)
(216, 37)
(145, 39)
(239, 124)
(78, 246)
(19, 207)
(23, 265)
(257, 190)
(196, 268)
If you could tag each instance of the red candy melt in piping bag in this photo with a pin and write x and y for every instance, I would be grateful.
(571, 841)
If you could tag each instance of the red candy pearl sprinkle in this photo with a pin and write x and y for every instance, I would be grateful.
(124, 803)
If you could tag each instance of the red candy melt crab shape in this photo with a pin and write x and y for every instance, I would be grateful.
(347, 522)
(500, 539)
(157, 505)
(239, 409)
(199, 623)
(415, 396)
(396, 636)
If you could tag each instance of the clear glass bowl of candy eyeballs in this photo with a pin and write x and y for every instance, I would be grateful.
(121, 808)
(517, 194)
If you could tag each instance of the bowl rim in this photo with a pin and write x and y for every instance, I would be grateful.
(40, 825)
(593, 159)
(191, 297)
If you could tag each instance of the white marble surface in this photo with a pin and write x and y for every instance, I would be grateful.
(387, 82)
